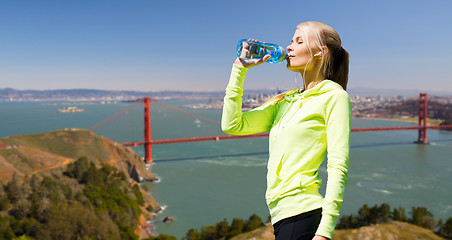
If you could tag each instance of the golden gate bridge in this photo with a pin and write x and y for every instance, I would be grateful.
(148, 142)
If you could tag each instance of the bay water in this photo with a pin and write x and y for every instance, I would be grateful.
(205, 182)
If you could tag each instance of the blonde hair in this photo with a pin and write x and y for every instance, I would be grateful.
(334, 64)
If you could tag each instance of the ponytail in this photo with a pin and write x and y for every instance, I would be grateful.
(338, 70)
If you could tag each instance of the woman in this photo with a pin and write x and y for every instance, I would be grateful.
(305, 125)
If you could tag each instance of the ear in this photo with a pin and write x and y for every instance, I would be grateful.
(325, 50)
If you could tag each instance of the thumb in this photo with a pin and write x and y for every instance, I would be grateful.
(262, 60)
(265, 58)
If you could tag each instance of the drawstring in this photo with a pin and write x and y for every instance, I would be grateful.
(291, 103)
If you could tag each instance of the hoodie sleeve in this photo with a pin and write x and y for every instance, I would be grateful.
(338, 117)
(236, 122)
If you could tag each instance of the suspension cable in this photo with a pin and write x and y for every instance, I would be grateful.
(116, 115)
(184, 112)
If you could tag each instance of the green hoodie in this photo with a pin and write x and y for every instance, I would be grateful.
(304, 128)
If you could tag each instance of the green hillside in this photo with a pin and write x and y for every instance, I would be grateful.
(72, 184)
(28, 154)
(386, 231)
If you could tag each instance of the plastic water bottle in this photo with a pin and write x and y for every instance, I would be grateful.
(259, 50)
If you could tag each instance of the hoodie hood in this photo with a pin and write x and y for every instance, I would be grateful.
(322, 87)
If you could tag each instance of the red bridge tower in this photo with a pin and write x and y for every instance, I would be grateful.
(147, 132)
(422, 137)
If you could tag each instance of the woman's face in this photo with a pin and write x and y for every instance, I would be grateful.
(298, 52)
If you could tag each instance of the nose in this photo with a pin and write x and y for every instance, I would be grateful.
(289, 48)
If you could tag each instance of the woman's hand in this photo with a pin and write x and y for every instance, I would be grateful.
(318, 237)
(244, 59)
(250, 62)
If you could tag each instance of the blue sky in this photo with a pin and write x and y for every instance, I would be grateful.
(155, 45)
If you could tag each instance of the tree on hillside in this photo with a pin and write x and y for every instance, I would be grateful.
(138, 194)
(193, 234)
(4, 202)
(371, 215)
(75, 221)
(422, 217)
(78, 168)
(253, 222)
(381, 213)
(51, 189)
(446, 229)
(161, 237)
(236, 227)
(18, 193)
(12, 189)
(208, 232)
(222, 229)
(348, 222)
(399, 214)
(5, 227)
(364, 215)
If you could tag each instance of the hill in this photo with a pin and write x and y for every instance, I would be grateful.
(386, 231)
(75, 175)
(26, 155)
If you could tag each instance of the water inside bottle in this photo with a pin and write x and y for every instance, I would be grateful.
(259, 50)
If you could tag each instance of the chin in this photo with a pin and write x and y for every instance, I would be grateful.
(292, 68)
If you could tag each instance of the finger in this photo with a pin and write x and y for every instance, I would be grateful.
(245, 49)
(244, 53)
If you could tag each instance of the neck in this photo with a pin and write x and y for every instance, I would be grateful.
(312, 78)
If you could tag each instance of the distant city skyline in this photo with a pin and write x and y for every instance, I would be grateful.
(190, 45)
